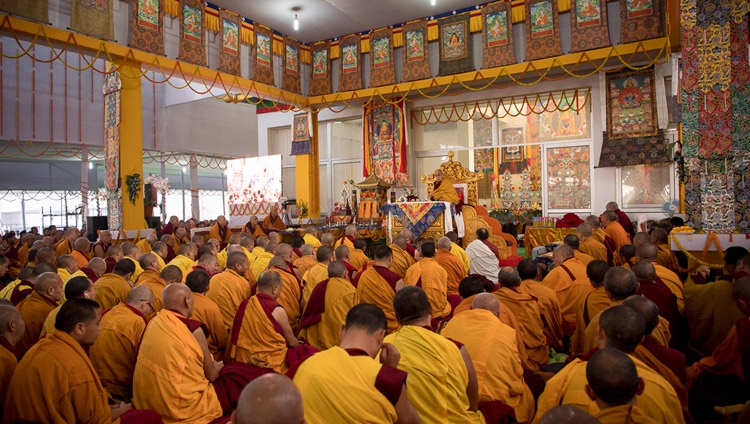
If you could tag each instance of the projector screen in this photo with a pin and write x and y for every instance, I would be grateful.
(253, 180)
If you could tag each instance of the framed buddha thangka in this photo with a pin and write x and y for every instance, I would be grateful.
(263, 69)
(455, 45)
(416, 56)
(588, 22)
(542, 30)
(291, 75)
(568, 177)
(382, 68)
(147, 25)
(350, 63)
(320, 70)
(497, 35)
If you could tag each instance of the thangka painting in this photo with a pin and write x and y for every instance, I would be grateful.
(350, 66)
(229, 54)
(93, 17)
(385, 143)
(633, 150)
(147, 25)
(542, 30)
(631, 104)
(35, 10)
(290, 79)
(263, 69)
(416, 64)
(569, 121)
(382, 69)
(192, 42)
(112, 91)
(497, 35)
(484, 159)
(588, 20)
(455, 45)
(641, 20)
(320, 74)
(568, 178)
(301, 136)
(512, 158)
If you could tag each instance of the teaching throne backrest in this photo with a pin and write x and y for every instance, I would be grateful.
(455, 172)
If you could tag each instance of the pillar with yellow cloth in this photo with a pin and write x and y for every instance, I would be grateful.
(131, 142)
(307, 176)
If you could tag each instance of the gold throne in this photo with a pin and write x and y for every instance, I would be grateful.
(461, 176)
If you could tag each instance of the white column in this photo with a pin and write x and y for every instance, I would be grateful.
(194, 195)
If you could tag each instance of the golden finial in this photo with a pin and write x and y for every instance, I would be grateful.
(450, 156)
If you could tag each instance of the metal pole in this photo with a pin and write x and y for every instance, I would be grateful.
(223, 190)
(23, 211)
(183, 193)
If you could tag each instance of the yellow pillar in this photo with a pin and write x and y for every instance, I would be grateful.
(308, 175)
(131, 143)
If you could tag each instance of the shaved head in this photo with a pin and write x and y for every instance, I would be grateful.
(336, 269)
(640, 238)
(646, 251)
(307, 249)
(644, 270)
(66, 261)
(98, 266)
(10, 317)
(45, 281)
(327, 239)
(139, 293)
(623, 328)
(647, 308)
(171, 273)
(342, 252)
(564, 250)
(82, 244)
(486, 301)
(270, 399)
(444, 243)
(284, 250)
(620, 283)
(567, 414)
(612, 377)
(178, 296)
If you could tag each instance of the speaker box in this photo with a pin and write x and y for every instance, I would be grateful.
(94, 224)
(155, 223)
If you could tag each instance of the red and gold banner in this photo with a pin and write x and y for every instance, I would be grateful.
(350, 63)
(263, 57)
(290, 79)
(35, 10)
(229, 49)
(93, 17)
(320, 71)
(542, 30)
(416, 57)
(384, 146)
(497, 35)
(588, 22)
(147, 25)
(192, 30)
(455, 45)
(382, 68)
(640, 20)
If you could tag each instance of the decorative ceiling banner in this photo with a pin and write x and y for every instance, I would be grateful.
(455, 45)
(631, 104)
(542, 30)
(350, 63)
(34, 10)
(384, 146)
(416, 57)
(290, 79)
(229, 52)
(320, 71)
(263, 69)
(641, 20)
(302, 135)
(147, 25)
(634, 151)
(588, 21)
(497, 31)
(192, 40)
(93, 17)
(382, 68)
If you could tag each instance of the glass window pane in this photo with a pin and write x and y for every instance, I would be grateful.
(520, 175)
(323, 141)
(450, 135)
(646, 185)
(289, 182)
(346, 137)
(325, 199)
(345, 172)
(280, 143)
(568, 178)
(211, 204)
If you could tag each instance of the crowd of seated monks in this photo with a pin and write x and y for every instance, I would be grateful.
(245, 328)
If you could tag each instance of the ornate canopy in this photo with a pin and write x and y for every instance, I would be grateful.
(459, 175)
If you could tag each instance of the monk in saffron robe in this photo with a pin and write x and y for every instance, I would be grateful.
(357, 256)
(377, 284)
(402, 260)
(273, 222)
(526, 310)
(451, 264)
(230, 288)
(48, 291)
(326, 311)
(317, 273)
(569, 280)
(114, 287)
(185, 259)
(220, 230)
(666, 302)
(614, 229)
(484, 256)
(664, 255)
(443, 190)
(350, 234)
(549, 307)
(12, 328)
(132, 253)
(648, 252)
(613, 383)
(261, 334)
(290, 297)
(65, 246)
(457, 250)
(432, 278)
(442, 382)
(621, 328)
(307, 260)
(114, 353)
(263, 258)
(589, 245)
(594, 303)
(207, 311)
(78, 287)
(146, 244)
(575, 244)
(66, 266)
(82, 247)
(253, 228)
(375, 391)
(151, 278)
(100, 248)
(493, 349)
(341, 253)
(72, 391)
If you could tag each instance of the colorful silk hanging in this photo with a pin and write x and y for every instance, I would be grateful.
(320, 69)
(382, 68)
(542, 30)
(147, 25)
(111, 90)
(350, 63)
(588, 23)
(263, 57)
(456, 55)
(497, 35)
(302, 134)
(416, 56)
(35, 10)
(93, 17)
(384, 146)
(290, 79)
(640, 20)
(229, 51)
(192, 30)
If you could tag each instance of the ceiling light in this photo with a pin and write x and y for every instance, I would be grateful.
(91, 165)
(432, 2)
(296, 21)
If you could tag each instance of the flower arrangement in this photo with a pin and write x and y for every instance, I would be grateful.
(302, 208)
(134, 186)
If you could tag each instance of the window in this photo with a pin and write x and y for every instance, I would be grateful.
(646, 186)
